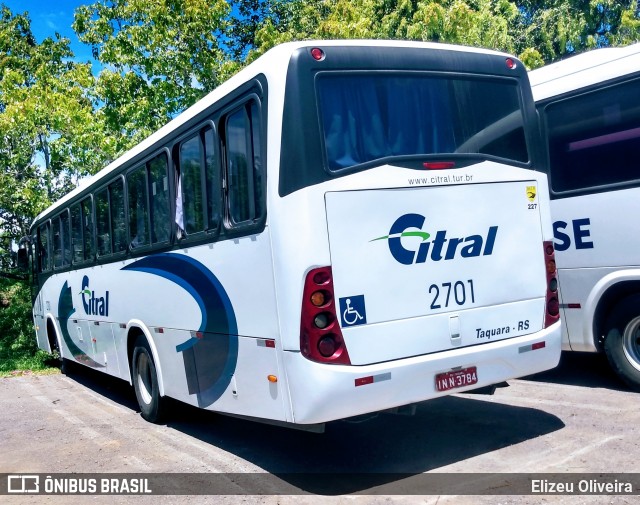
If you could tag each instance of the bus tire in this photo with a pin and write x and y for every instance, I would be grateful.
(65, 366)
(145, 382)
(622, 341)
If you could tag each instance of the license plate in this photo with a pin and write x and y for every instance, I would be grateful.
(456, 379)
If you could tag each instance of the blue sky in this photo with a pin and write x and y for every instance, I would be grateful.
(51, 16)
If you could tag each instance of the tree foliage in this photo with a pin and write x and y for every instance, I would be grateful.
(18, 347)
(159, 57)
(539, 31)
(49, 128)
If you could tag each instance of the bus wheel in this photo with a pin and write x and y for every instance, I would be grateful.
(62, 363)
(145, 382)
(622, 342)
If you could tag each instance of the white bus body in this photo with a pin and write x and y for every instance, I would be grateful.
(590, 112)
(364, 228)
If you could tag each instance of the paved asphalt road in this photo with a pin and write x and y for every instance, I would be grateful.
(575, 419)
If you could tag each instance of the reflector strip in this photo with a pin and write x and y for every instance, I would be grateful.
(363, 381)
(570, 305)
(532, 347)
(159, 330)
(266, 343)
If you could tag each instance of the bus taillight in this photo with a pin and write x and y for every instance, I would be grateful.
(552, 311)
(439, 165)
(320, 335)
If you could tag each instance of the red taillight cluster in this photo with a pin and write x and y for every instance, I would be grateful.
(552, 313)
(439, 165)
(320, 335)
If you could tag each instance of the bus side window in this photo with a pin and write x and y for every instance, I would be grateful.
(65, 231)
(87, 228)
(102, 223)
(190, 163)
(138, 201)
(213, 178)
(44, 263)
(594, 138)
(77, 244)
(159, 198)
(61, 240)
(244, 173)
(118, 224)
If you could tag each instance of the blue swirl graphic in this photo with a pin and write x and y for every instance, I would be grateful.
(210, 359)
(65, 311)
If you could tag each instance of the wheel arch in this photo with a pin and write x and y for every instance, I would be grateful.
(53, 333)
(606, 295)
(135, 328)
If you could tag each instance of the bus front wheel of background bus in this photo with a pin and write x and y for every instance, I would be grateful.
(145, 382)
(622, 343)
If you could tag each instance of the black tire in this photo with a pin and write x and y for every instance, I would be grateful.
(145, 382)
(622, 341)
(56, 353)
(65, 366)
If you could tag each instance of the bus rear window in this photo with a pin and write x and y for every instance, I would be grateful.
(367, 117)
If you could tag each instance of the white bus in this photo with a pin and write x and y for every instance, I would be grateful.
(590, 113)
(341, 228)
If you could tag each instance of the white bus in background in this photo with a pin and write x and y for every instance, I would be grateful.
(341, 228)
(589, 107)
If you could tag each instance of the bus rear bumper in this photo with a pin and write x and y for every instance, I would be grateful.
(322, 393)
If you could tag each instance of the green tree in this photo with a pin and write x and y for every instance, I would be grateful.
(18, 346)
(50, 136)
(159, 58)
(50, 133)
(539, 31)
(556, 28)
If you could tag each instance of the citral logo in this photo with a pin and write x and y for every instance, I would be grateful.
(94, 305)
(444, 248)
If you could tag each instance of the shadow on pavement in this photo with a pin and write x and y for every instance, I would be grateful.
(584, 369)
(352, 456)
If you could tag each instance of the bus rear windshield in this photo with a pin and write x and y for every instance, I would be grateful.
(368, 116)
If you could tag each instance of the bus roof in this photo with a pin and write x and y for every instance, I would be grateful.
(584, 70)
(273, 62)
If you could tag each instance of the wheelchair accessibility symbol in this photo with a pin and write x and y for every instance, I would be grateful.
(352, 310)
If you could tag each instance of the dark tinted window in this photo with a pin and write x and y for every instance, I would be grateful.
(367, 117)
(65, 228)
(118, 224)
(594, 138)
(56, 242)
(213, 179)
(102, 223)
(244, 171)
(44, 257)
(87, 223)
(77, 243)
(137, 192)
(191, 164)
(159, 197)
(61, 240)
